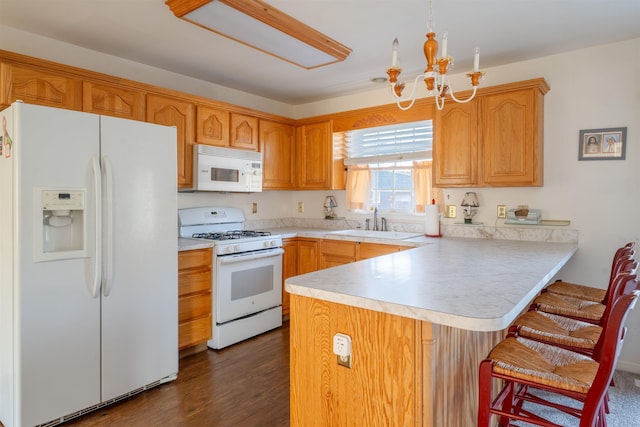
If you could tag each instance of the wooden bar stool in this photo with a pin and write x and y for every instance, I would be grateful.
(567, 332)
(525, 365)
(560, 287)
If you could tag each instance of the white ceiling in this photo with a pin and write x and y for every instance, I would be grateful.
(506, 31)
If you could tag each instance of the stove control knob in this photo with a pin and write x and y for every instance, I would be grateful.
(265, 244)
(236, 248)
(273, 243)
(229, 249)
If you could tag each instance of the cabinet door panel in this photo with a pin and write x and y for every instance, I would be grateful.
(112, 101)
(455, 149)
(172, 112)
(212, 126)
(307, 255)
(276, 145)
(39, 87)
(314, 148)
(244, 132)
(510, 139)
(289, 269)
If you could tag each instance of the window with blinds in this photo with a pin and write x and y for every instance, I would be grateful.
(394, 143)
(395, 163)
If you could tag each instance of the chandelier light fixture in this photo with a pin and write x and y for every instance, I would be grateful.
(435, 75)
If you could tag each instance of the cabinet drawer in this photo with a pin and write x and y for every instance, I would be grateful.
(371, 250)
(194, 258)
(194, 281)
(193, 306)
(194, 332)
(339, 249)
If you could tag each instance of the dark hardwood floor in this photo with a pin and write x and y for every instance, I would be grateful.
(246, 384)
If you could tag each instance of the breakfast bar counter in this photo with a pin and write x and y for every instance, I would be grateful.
(420, 321)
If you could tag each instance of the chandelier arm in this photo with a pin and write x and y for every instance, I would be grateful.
(411, 97)
(439, 102)
(407, 107)
(462, 101)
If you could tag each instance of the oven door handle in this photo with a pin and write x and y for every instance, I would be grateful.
(230, 259)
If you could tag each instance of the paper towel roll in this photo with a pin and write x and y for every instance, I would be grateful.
(432, 221)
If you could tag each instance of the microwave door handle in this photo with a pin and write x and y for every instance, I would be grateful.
(251, 256)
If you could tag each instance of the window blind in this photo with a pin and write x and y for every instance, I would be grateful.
(402, 142)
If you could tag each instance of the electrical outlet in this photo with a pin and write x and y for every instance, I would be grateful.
(502, 211)
(300, 207)
(254, 208)
(342, 349)
(450, 211)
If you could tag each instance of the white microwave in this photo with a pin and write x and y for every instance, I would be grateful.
(226, 170)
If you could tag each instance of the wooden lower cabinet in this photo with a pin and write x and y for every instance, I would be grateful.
(368, 250)
(305, 255)
(289, 269)
(300, 256)
(339, 252)
(194, 297)
(404, 372)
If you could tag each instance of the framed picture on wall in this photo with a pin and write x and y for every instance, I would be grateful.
(602, 144)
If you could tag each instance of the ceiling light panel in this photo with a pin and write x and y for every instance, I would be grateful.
(263, 27)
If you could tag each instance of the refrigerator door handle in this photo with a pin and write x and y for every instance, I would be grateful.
(97, 188)
(108, 226)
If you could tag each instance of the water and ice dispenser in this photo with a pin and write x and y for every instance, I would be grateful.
(60, 231)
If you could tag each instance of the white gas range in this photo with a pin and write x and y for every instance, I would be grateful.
(247, 276)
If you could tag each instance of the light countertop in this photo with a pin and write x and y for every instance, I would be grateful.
(186, 244)
(291, 232)
(468, 283)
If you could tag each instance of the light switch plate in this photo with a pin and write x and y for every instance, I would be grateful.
(450, 211)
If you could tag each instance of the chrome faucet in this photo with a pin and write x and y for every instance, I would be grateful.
(366, 223)
(383, 224)
(375, 219)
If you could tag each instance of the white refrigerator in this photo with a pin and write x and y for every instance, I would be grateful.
(88, 261)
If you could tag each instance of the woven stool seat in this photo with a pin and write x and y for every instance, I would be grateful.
(569, 306)
(560, 330)
(544, 364)
(623, 261)
(575, 290)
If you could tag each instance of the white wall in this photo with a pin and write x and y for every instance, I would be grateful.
(591, 88)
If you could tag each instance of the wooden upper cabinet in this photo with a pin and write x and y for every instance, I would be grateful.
(276, 145)
(212, 126)
(496, 140)
(244, 132)
(168, 111)
(112, 101)
(455, 146)
(512, 129)
(314, 156)
(39, 87)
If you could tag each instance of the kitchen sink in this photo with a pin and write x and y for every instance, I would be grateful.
(374, 234)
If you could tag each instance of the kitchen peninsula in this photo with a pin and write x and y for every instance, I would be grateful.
(420, 322)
